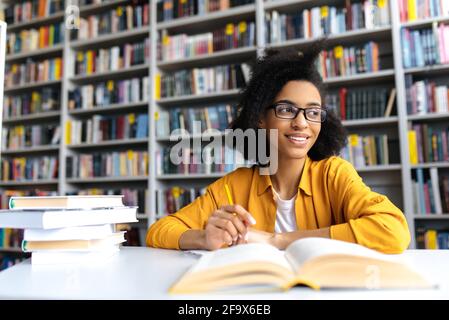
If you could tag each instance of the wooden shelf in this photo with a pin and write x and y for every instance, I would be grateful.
(387, 167)
(429, 116)
(371, 122)
(137, 70)
(46, 115)
(191, 176)
(207, 97)
(221, 57)
(36, 22)
(112, 108)
(107, 179)
(119, 37)
(432, 216)
(198, 23)
(123, 142)
(424, 22)
(38, 149)
(191, 136)
(361, 78)
(28, 183)
(29, 86)
(430, 165)
(96, 8)
(50, 52)
(342, 38)
(440, 69)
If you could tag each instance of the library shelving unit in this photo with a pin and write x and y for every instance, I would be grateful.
(393, 179)
(421, 220)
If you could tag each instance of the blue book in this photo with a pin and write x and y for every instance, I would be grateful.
(417, 38)
(420, 178)
(405, 48)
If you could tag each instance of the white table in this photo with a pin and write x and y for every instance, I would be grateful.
(147, 273)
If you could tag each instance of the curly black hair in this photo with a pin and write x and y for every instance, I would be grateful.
(269, 75)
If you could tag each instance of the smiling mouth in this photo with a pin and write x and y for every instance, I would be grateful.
(296, 138)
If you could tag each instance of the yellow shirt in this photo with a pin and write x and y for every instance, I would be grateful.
(330, 194)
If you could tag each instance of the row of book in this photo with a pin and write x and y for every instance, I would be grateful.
(195, 120)
(425, 46)
(30, 168)
(25, 11)
(10, 238)
(108, 164)
(412, 10)
(131, 197)
(21, 136)
(106, 128)
(346, 61)
(352, 104)
(431, 239)
(35, 39)
(369, 150)
(174, 9)
(325, 20)
(114, 58)
(233, 35)
(175, 160)
(69, 229)
(119, 19)
(103, 94)
(8, 261)
(430, 192)
(8, 193)
(424, 96)
(428, 144)
(35, 102)
(33, 71)
(171, 200)
(202, 80)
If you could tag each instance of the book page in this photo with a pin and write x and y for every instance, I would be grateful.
(241, 254)
(303, 250)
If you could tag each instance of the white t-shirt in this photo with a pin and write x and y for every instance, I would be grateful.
(285, 214)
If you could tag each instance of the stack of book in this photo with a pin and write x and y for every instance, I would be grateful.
(68, 229)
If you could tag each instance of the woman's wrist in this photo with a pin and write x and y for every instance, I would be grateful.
(193, 239)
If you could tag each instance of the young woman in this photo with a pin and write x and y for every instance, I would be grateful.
(313, 193)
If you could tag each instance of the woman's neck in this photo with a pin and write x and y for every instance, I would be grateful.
(285, 181)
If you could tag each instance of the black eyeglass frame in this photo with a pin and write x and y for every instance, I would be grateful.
(298, 110)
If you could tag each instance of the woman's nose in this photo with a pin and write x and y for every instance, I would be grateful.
(300, 120)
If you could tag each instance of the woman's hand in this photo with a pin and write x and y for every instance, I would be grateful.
(257, 236)
(227, 226)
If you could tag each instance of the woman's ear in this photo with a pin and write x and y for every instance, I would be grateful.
(261, 124)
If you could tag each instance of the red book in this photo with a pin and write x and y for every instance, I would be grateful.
(342, 93)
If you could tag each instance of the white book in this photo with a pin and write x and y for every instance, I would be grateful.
(60, 218)
(436, 190)
(75, 245)
(69, 233)
(66, 202)
(74, 257)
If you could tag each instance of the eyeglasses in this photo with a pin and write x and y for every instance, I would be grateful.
(285, 110)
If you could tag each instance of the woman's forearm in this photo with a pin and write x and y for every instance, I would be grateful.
(193, 239)
(282, 240)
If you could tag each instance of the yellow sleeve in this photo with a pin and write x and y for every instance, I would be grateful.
(369, 218)
(166, 232)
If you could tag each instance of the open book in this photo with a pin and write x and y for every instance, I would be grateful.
(314, 262)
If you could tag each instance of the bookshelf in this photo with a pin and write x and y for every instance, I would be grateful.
(393, 179)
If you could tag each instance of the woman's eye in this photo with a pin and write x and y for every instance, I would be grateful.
(286, 109)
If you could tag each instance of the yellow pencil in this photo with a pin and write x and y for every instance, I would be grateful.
(228, 193)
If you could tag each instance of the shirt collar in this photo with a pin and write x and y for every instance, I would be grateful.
(264, 181)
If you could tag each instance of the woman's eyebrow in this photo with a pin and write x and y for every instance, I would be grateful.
(309, 104)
